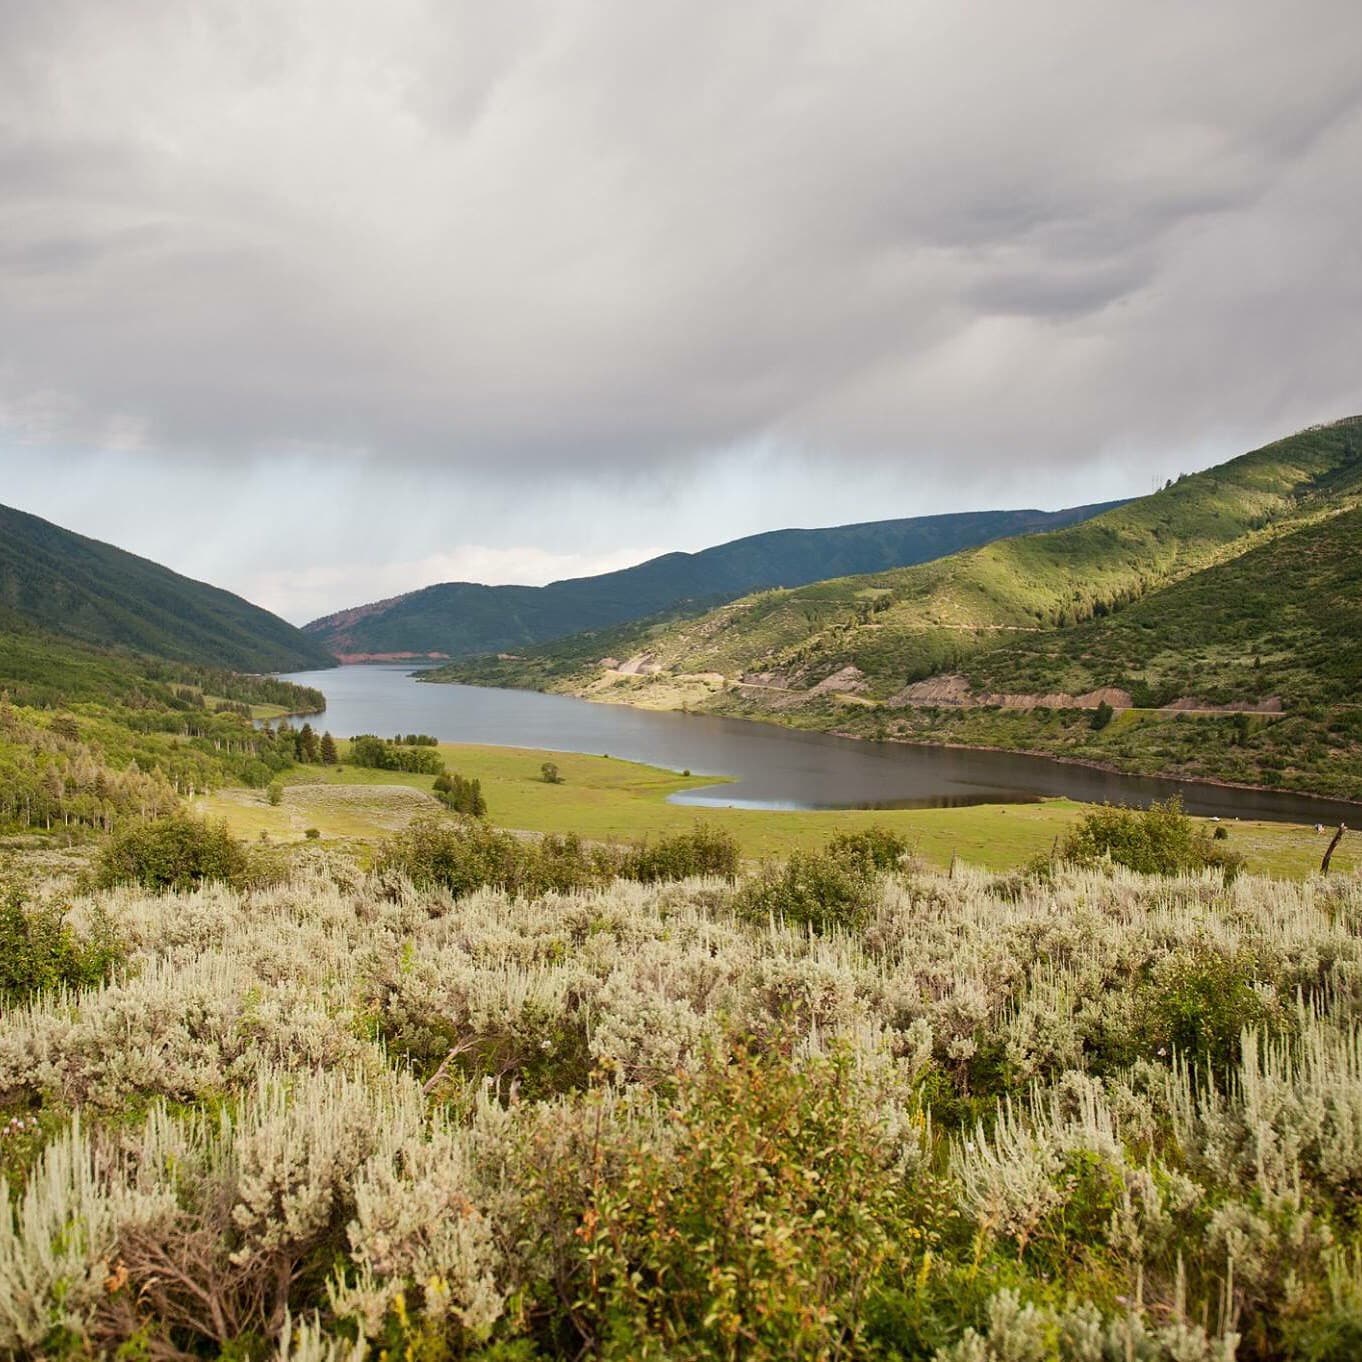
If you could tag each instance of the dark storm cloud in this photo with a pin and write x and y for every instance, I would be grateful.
(581, 236)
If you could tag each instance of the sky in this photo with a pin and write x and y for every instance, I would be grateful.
(324, 300)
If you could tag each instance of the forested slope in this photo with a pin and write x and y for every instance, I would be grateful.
(96, 593)
(1282, 622)
(90, 737)
(94, 733)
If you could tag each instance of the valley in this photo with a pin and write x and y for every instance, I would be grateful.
(817, 872)
(680, 683)
(1216, 618)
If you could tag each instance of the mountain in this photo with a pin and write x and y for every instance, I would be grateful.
(1220, 617)
(89, 591)
(461, 619)
(1278, 627)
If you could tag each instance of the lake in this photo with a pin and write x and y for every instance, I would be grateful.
(772, 767)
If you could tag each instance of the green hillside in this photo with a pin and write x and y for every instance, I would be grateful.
(458, 619)
(902, 626)
(91, 738)
(1283, 621)
(1276, 632)
(92, 592)
(1234, 587)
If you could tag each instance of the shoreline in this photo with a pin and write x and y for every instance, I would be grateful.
(1088, 763)
(1107, 767)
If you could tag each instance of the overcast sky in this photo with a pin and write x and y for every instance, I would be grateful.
(323, 300)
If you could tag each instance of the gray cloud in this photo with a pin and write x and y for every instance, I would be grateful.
(579, 240)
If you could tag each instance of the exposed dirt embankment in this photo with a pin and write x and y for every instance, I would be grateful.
(334, 629)
(850, 680)
(956, 690)
(351, 659)
(770, 680)
(641, 664)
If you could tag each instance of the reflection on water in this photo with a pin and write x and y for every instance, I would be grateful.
(773, 767)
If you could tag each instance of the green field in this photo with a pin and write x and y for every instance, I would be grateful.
(606, 799)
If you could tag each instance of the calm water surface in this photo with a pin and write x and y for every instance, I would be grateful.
(776, 768)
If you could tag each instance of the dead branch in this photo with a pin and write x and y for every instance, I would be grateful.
(1328, 855)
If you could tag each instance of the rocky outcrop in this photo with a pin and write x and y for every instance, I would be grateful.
(935, 690)
(850, 680)
(641, 664)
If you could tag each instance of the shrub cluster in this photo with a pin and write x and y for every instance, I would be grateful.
(824, 890)
(1159, 840)
(757, 1227)
(382, 754)
(1088, 1117)
(702, 850)
(469, 855)
(460, 794)
(39, 950)
(178, 852)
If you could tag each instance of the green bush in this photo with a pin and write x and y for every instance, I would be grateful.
(179, 852)
(39, 951)
(758, 1234)
(1198, 1002)
(703, 850)
(469, 855)
(1159, 840)
(876, 848)
(814, 889)
(826, 889)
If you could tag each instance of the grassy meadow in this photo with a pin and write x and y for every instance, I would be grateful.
(607, 799)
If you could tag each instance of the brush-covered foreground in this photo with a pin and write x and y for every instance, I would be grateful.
(1079, 1115)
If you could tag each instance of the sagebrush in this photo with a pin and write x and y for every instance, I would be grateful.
(1087, 1115)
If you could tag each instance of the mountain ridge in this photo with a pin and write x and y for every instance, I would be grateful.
(84, 589)
(450, 619)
